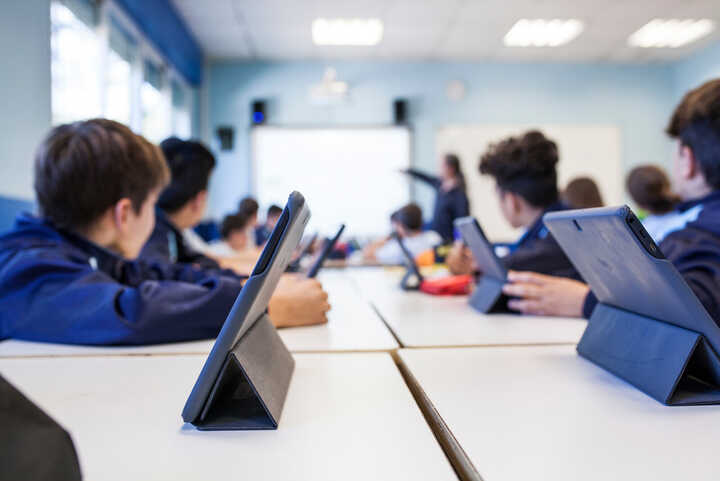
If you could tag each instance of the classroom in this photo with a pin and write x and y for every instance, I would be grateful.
(471, 240)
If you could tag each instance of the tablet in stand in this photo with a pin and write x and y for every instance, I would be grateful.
(246, 377)
(412, 279)
(649, 328)
(327, 249)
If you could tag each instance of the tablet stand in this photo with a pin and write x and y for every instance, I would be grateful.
(412, 279)
(250, 390)
(674, 365)
(488, 295)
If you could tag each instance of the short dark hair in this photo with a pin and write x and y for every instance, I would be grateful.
(191, 164)
(248, 206)
(409, 216)
(582, 193)
(274, 211)
(524, 165)
(696, 123)
(650, 188)
(84, 168)
(233, 222)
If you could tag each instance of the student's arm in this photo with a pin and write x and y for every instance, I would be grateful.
(64, 302)
(424, 177)
(460, 260)
(542, 295)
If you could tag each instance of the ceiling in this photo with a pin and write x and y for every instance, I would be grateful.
(435, 29)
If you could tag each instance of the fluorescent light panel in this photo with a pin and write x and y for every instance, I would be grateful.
(543, 33)
(341, 31)
(670, 33)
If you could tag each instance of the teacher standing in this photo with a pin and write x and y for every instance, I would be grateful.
(451, 201)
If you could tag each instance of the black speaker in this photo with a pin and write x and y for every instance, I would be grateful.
(226, 136)
(258, 115)
(400, 111)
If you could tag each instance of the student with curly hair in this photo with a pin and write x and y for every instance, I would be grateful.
(524, 169)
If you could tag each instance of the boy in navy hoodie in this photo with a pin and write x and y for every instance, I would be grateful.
(67, 276)
(694, 246)
(524, 169)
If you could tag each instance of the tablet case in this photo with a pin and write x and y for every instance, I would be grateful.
(487, 296)
(649, 328)
(412, 278)
(327, 249)
(32, 444)
(245, 379)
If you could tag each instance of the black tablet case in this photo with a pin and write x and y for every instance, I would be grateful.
(412, 278)
(649, 327)
(32, 445)
(487, 296)
(245, 380)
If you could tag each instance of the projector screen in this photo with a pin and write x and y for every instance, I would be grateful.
(347, 175)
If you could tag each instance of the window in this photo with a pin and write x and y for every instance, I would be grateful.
(181, 108)
(118, 77)
(75, 61)
(155, 105)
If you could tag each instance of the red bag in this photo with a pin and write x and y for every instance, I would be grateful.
(447, 286)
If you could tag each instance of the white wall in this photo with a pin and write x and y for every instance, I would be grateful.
(24, 91)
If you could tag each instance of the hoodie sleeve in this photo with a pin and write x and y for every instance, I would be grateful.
(57, 300)
(696, 255)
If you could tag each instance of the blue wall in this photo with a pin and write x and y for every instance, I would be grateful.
(638, 99)
(24, 91)
(695, 70)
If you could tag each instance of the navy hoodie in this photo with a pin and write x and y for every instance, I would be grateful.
(449, 205)
(56, 286)
(694, 249)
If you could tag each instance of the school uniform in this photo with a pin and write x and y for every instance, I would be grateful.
(449, 205)
(56, 286)
(693, 246)
(538, 251)
(167, 244)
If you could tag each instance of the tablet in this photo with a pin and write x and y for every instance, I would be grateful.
(327, 249)
(252, 302)
(413, 278)
(625, 269)
(483, 252)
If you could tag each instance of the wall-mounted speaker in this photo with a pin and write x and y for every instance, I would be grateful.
(400, 111)
(258, 114)
(226, 136)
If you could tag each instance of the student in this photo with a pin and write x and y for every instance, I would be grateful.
(262, 232)
(182, 204)
(451, 201)
(249, 207)
(524, 169)
(582, 193)
(694, 246)
(407, 223)
(68, 277)
(650, 189)
(234, 236)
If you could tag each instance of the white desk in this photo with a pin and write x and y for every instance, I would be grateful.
(352, 326)
(347, 417)
(545, 413)
(423, 320)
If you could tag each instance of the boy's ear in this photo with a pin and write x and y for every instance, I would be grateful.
(200, 200)
(121, 213)
(689, 165)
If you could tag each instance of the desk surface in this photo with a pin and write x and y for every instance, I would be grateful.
(423, 320)
(347, 416)
(545, 413)
(352, 326)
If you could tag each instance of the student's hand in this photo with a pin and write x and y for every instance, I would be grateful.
(298, 301)
(545, 295)
(459, 260)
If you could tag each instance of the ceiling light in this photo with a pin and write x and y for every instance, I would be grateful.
(673, 33)
(543, 33)
(340, 31)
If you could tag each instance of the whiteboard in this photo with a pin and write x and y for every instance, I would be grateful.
(585, 150)
(347, 175)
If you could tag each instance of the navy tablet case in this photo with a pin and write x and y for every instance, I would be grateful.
(245, 379)
(412, 279)
(488, 295)
(327, 249)
(649, 328)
